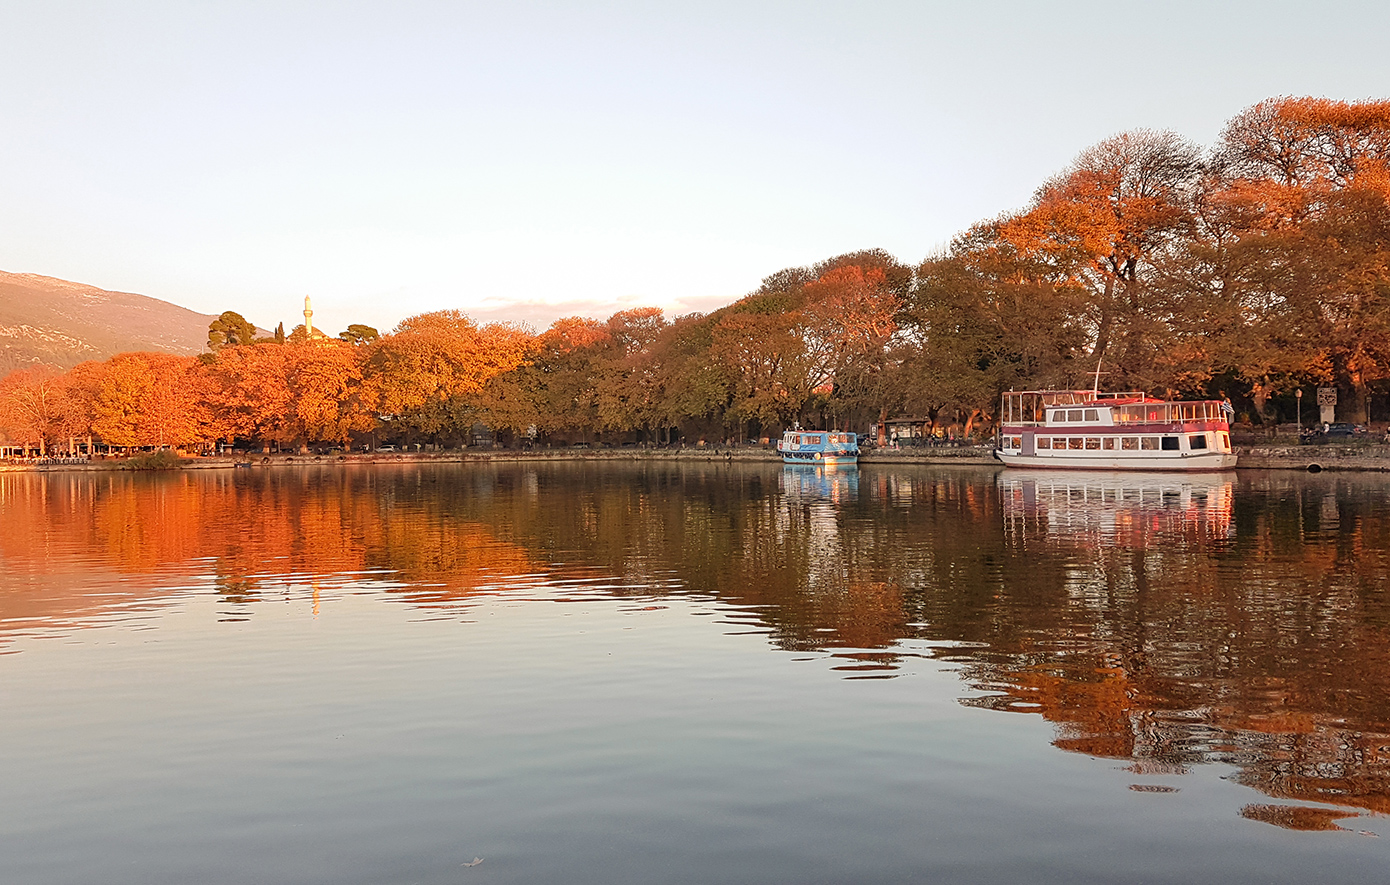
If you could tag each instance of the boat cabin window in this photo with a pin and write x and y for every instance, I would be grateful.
(1197, 441)
(1225, 442)
(1148, 443)
(1130, 443)
(1074, 442)
(1044, 442)
(1108, 442)
(1092, 415)
(1093, 443)
(1073, 414)
(1170, 444)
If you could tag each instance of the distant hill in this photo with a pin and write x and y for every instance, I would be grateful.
(45, 320)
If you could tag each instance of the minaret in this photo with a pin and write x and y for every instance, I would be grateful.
(308, 318)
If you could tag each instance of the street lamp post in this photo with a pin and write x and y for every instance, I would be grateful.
(1299, 395)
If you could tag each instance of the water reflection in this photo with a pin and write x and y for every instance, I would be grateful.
(1121, 509)
(833, 485)
(1164, 621)
(1197, 621)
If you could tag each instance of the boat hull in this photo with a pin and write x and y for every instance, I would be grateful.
(1188, 462)
(818, 459)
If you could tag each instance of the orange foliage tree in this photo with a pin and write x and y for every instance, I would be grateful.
(1102, 225)
(30, 406)
(1307, 181)
(248, 390)
(150, 399)
(555, 387)
(429, 371)
(293, 393)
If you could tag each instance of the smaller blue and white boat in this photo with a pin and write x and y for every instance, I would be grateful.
(819, 447)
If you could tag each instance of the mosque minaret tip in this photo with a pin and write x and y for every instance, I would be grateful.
(308, 318)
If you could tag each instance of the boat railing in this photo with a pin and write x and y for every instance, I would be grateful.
(1172, 413)
(1031, 407)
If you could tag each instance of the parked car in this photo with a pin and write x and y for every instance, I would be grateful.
(386, 448)
(1327, 433)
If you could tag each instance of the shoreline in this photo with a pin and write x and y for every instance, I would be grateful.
(1313, 459)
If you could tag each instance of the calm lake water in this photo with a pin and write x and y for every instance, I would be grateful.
(591, 673)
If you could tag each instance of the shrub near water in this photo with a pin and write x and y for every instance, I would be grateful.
(165, 459)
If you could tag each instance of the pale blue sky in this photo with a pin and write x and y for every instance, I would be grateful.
(531, 160)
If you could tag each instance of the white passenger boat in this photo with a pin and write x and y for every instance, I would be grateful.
(1086, 429)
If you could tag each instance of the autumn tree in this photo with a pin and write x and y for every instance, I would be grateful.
(626, 393)
(848, 319)
(1305, 185)
(554, 386)
(329, 398)
(229, 329)
(1315, 144)
(692, 387)
(1236, 311)
(356, 333)
(1101, 225)
(248, 392)
(30, 405)
(150, 399)
(985, 318)
(771, 374)
(1342, 260)
(77, 401)
(290, 394)
(430, 369)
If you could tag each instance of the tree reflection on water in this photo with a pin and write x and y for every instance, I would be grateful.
(1165, 621)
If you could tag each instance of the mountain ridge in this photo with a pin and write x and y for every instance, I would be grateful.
(60, 323)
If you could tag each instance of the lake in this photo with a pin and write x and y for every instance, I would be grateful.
(649, 673)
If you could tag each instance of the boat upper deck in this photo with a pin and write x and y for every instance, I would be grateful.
(1072, 408)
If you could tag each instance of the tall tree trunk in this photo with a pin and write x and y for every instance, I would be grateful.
(1107, 319)
(1259, 391)
(970, 420)
(1361, 394)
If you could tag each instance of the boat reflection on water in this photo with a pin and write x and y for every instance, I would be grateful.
(834, 484)
(1132, 510)
(808, 525)
(1152, 631)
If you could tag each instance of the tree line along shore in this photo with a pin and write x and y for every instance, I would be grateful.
(1248, 270)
